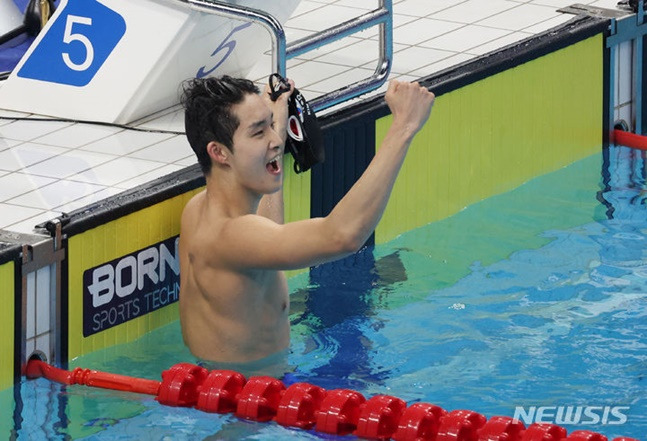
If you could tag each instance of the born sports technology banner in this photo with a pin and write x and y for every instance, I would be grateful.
(131, 286)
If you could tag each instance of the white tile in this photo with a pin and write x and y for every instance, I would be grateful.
(68, 164)
(77, 135)
(341, 80)
(156, 115)
(43, 299)
(609, 4)
(624, 113)
(421, 30)
(406, 78)
(30, 314)
(304, 7)
(127, 141)
(27, 224)
(624, 93)
(259, 74)
(6, 143)
(357, 54)
(10, 214)
(118, 170)
(88, 199)
(43, 345)
(548, 24)
(26, 154)
(169, 150)
(150, 176)
(521, 17)
(25, 130)
(555, 3)
(465, 38)
(30, 346)
(292, 34)
(414, 58)
(323, 18)
(423, 8)
(363, 5)
(472, 11)
(56, 194)
(452, 61)
(499, 43)
(313, 72)
(398, 21)
(15, 184)
(188, 161)
(333, 47)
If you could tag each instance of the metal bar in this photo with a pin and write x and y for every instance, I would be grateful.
(381, 17)
(338, 32)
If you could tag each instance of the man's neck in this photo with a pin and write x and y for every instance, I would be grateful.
(233, 199)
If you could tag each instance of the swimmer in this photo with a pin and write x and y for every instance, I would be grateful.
(234, 244)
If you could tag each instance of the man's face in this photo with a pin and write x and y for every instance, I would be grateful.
(258, 150)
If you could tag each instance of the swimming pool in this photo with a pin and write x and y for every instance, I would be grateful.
(536, 297)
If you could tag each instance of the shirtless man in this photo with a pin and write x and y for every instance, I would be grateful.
(233, 243)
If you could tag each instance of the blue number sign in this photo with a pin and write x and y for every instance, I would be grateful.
(76, 46)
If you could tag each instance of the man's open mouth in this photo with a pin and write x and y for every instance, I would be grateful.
(274, 166)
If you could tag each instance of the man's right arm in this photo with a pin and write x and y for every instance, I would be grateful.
(257, 242)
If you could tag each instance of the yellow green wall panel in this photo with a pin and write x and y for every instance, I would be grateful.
(489, 137)
(7, 297)
(296, 195)
(296, 192)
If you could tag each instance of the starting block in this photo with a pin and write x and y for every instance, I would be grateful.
(114, 61)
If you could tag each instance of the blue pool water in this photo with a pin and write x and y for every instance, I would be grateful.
(537, 297)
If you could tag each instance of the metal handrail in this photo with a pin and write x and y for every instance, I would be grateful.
(282, 52)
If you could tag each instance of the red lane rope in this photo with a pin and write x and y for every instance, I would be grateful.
(630, 139)
(306, 406)
(87, 377)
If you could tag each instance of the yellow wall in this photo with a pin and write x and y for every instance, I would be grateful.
(296, 194)
(7, 283)
(493, 135)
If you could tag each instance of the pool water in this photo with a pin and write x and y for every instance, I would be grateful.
(536, 297)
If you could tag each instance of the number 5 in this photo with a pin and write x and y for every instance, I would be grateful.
(224, 45)
(69, 37)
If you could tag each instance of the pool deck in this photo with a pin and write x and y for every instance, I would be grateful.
(51, 167)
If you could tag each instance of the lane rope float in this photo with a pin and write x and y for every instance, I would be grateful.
(306, 406)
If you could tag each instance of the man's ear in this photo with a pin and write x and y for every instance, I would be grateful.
(219, 153)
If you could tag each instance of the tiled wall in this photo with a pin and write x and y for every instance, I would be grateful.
(624, 87)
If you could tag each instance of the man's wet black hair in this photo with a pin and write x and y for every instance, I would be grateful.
(207, 112)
